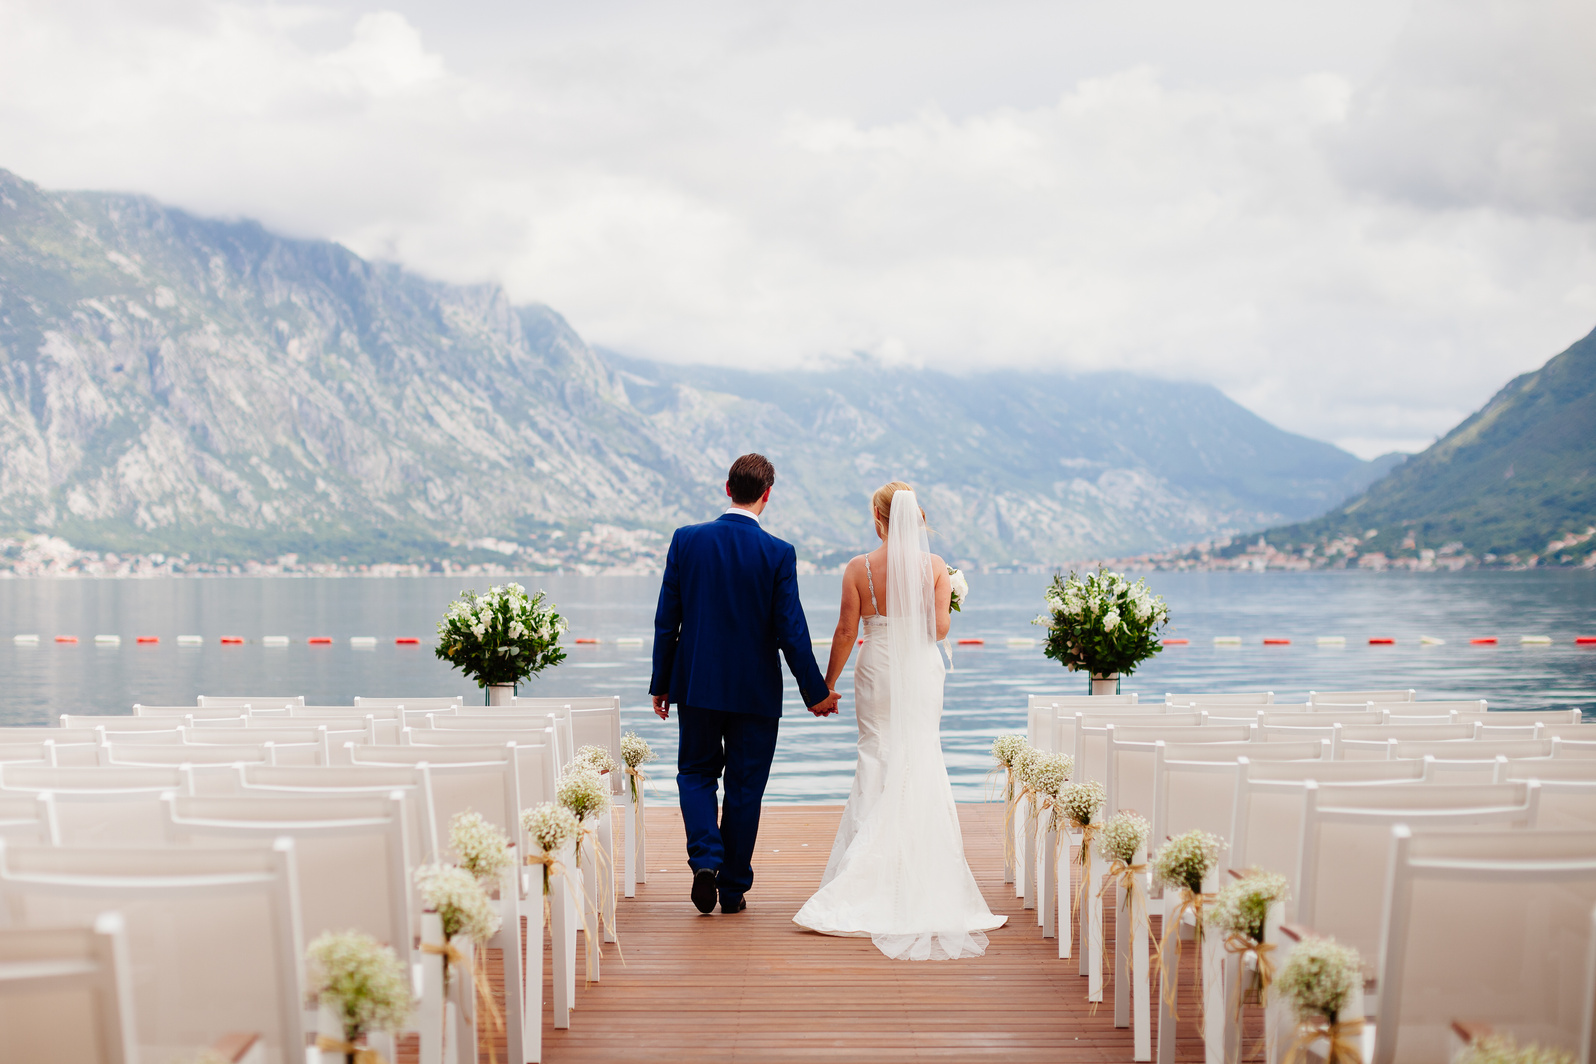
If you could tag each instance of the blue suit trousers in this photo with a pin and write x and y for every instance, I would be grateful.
(742, 746)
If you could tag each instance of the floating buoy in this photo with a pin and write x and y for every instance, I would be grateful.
(1227, 640)
(1176, 642)
(1535, 640)
(1483, 641)
(629, 641)
(66, 639)
(1431, 641)
(362, 640)
(861, 642)
(274, 640)
(1579, 640)
(1381, 641)
(587, 642)
(190, 640)
(407, 641)
(1277, 642)
(28, 640)
(107, 640)
(1021, 641)
(821, 641)
(232, 640)
(970, 642)
(147, 640)
(1332, 640)
(320, 640)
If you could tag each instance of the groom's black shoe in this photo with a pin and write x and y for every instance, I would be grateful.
(731, 904)
(704, 890)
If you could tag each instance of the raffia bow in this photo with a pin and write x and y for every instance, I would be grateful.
(1088, 833)
(360, 1054)
(1341, 1040)
(1128, 876)
(636, 779)
(1241, 945)
(1009, 802)
(478, 980)
(1191, 901)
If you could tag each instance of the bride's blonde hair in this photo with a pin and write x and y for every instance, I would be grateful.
(881, 504)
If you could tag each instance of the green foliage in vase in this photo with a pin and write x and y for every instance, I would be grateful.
(1101, 622)
(502, 637)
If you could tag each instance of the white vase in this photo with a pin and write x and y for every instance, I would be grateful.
(501, 694)
(1105, 685)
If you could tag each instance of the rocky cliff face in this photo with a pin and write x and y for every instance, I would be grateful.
(177, 383)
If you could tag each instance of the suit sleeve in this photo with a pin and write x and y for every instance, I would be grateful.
(667, 625)
(792, 632)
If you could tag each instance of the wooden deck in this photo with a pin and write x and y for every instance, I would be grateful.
(754, 987)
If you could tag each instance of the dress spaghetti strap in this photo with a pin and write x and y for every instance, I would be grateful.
(875, 605)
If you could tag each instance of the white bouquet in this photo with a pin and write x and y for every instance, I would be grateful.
(502, 637)
(363, 982)
(1101, 622)
(961, 588)
(482, 848)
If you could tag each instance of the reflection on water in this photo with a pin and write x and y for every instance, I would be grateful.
(985, 694)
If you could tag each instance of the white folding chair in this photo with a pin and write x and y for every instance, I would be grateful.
(248, 701)
(111, 818)
(213, 935)
(1444, 708)
(1341, 868)
(424, 704)
(121, 722)
(552, 703)
(25, 818)
(1359, 698)
(132, 778)
(231, 713)
(1221, 698)
(273, 781)
(1080, 700)
(1556, 769)
(1471, 749)
(1486, 927)
(119, 753)
(66, 993)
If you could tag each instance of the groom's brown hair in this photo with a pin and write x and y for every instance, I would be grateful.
(749, 478)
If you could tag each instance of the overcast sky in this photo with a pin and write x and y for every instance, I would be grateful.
(1357, 218)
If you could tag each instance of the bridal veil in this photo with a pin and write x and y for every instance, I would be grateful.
(903, 879)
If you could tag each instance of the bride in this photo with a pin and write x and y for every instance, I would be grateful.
(897, 871)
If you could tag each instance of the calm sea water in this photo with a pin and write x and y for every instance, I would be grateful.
(985, 694)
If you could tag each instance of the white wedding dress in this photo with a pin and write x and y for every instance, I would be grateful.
(897, 872)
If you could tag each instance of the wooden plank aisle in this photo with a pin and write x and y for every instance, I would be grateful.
(755, 987)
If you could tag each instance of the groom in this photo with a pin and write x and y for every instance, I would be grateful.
(728, 603)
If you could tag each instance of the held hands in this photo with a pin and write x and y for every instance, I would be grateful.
(826, 706)
(662, 705)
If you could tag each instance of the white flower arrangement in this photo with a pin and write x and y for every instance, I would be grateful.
(583, 791)
(595, 758)
(636, 752)
(1102, 622)
(362, 981)
(1317, 979)
(1122, 836)
(550, 825)
(1023, 765)
(1005, 748)
(1079, 803)
(459, 901)
(502, 637)
(961, 589)
(1241, 905)
(1503, 1049)
(1049, 772)
(1185, 860)
(481, 847)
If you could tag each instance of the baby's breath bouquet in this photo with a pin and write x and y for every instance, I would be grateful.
(1238, 913)
(550, 826)
(1079, 803)
(482, 848)
(1503, 1049)
(1005, 748)
(636, 752)
(459, 900)
(1185, 860)
(595, 758)
(502, 637)
(585, 793)
(1101, 622)
(1316, 981)
(1123, 834)
(362, 981)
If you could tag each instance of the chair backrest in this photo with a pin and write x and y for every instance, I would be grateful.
(1570, 768)
(552, 703)
(443, 702)
(1085, 736)
(1221, 698)
(352, 853)
(1567, 804)
(1359, 698)
(1437, 708)
(600, 727)
(130, 778)
(1522, 716)
(1131, 756)
(472, 737)
(29, 733)
(1194, 784)
(475, 721)
(1340, 874)
(1471, 749)
(1585, 732)
(460, 778)
(107, 818)
(172, 736)
(198, 713)
(66, 993)
(254, 702)
(1488, 926)
(119, 753)
(1323, 718)
(122, 722)
(1079, 700)
(25, 818)
(274, 781)
(213, 934)
(40, 753)
(1431, 732)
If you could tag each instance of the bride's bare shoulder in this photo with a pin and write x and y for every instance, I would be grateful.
(937, 564)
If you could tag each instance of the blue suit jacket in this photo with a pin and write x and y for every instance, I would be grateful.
(728, 603)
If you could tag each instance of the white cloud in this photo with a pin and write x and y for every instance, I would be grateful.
(1357, 225)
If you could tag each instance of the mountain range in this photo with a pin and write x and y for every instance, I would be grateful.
(1515, 481)
(176, 383)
